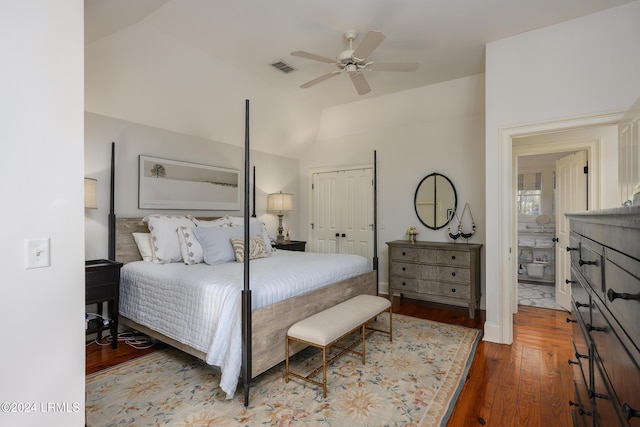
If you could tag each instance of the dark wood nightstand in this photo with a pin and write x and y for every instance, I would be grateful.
(292, 245)
(102, 284)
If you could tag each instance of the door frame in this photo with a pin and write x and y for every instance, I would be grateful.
(505, 242)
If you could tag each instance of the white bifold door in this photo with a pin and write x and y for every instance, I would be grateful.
(342, 212)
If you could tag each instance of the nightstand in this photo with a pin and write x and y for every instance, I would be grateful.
(292, 245)
(102, 284)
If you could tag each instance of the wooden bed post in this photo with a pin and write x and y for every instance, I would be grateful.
(246, 292)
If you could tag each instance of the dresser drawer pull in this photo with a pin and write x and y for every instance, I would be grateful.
(453, 257)
(404, 268)
(404, 254)
(611, 294)
(629, 412)
(583, 262)
(571, 320)
(595, 328)
(571, 249)
(404, 284)
(453, 273)
(453, 289)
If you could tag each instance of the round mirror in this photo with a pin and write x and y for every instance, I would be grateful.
(435, 201)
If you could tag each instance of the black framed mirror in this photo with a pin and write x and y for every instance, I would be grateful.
(435, 201)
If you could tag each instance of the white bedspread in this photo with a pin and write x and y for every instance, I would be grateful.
(200, 305)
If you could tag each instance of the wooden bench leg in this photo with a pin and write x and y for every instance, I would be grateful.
(286, 358)
(363, 347)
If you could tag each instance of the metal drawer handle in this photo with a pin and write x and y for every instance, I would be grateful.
(404, 284)
(583, 262)
(453, 257)
(571, 249)
(629, 412)
(595, 328)
(404, 254)
(453, 289)
(453, 273)
(404, 269)
(611, 294)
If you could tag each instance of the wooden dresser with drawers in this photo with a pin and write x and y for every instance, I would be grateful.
(447, 273)
(605, 285)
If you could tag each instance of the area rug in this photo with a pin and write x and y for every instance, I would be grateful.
(412, 381)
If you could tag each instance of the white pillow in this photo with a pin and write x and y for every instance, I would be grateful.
(216, 242)
(164, 236)
(239, 221)
(190, 247)
(143, 241)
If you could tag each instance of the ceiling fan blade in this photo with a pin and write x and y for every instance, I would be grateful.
(312, 56)
(392, 66)
(368, 44)
(320, 79)
(360, 83)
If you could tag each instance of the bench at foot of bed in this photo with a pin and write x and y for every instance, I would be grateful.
(326, 328)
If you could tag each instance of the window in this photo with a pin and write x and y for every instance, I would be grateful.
(530, 194)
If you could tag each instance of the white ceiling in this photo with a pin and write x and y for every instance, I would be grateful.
(446, 37)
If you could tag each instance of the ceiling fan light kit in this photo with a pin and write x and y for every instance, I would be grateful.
(354, 61)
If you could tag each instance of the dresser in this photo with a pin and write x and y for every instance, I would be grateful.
(604, 248)
(447, 273)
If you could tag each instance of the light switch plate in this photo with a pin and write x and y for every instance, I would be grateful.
(36, 253)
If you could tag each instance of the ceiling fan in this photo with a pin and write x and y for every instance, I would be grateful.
(354, 61)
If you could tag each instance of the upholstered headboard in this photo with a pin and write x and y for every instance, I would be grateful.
(126, 249)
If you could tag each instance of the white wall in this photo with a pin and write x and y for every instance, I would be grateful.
(582, 67)
(41, 310)
(273, 173)
(437, 128)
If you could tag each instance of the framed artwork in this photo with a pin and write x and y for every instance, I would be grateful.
(172, 184)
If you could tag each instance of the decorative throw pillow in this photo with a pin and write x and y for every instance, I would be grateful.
(216, 244)
(239, 221)
(257, 248)
(190, 247)
(164, 236)
(143, 242)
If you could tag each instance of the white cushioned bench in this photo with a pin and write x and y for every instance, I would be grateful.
(326, 328)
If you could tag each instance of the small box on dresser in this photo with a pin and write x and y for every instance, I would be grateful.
(605, 286)
(447, 273)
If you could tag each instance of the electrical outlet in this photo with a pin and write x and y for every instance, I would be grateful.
(36, 253)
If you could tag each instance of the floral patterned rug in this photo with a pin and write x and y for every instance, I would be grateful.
(412, 381)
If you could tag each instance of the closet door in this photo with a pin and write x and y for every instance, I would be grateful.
(342, 212)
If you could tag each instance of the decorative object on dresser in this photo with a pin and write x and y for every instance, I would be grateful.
(279, 203)
(292, 245)
(605, 287)
(102, 284)
(435, 201)
(436, 271)
(411, 233)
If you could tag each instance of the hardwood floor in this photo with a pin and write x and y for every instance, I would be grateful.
(526, 384)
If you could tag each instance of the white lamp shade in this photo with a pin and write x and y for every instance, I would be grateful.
(279, 202)
(90, 197)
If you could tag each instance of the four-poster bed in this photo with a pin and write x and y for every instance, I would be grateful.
(264, 328)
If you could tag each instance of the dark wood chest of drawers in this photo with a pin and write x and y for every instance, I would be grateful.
(447, 273)
(605, 286)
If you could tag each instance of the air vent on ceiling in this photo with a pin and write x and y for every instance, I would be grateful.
(285, 68)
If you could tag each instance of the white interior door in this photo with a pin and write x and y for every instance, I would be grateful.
(571, 196)
(342, 212)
